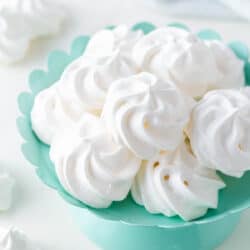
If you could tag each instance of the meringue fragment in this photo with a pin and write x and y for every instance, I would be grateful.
(6, 191)
(14, 239)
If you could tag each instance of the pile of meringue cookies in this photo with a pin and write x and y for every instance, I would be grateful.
(155, 114)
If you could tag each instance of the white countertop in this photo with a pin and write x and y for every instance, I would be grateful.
(38, 210)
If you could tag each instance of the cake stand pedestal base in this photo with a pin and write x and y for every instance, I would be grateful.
(115, 235)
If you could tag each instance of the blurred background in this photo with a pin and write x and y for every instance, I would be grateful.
(219, 9)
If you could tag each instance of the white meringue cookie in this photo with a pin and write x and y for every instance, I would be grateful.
(22, 21)
(106, 42)
(90, 166)
(176, 184)
(145, 114)
(230, 68)
(49, 113)
(180, 56)
(6, 191)
(152, 43)
(85, 82)
(82, 87)
(220, 131)
(14, 239)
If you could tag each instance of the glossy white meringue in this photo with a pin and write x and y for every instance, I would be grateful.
(108, 41)
(189, 62)
(49, 113)
(146, 114)
(22, 21)
(230, 67)
(176, 184)
(82, 87)
(152, 43)
(220, 131)
(6, 191)
(14, 239)
(90, 166)
(85, 82)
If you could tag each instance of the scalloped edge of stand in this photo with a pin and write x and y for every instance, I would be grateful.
(37, 153)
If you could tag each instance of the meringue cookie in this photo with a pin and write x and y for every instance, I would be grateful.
(153, 42)
(176, 184)
(220, 131)
(106, 42)
(49, 113)
(145, 114)
(13, 239)
(180, 56)
(85, 82)
(22, 21)
(82, 87)
(90, 166)
(6, 191)
(230, 67)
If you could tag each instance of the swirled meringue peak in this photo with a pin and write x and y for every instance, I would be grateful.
(91, 166)
(85, 82)
(180, 56)
(152, 43)
(106, 42)
(146, 114)
(22, 21)
(49, 113)
(220, 131)
(14, 239)
(176, 184)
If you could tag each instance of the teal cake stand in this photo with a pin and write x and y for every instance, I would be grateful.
(125, 225)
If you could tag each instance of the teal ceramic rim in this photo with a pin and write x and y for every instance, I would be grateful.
(37, 153)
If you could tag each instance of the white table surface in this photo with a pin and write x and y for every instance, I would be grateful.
(37, 210)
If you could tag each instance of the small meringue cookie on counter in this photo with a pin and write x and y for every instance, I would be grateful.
(22, 21)
(14, 239)
(106, 42)
(90, 165)
(85, 82)
(230, 67)
(7, 183)
(176, 184)
(219, 131)
(49, 113)
(180, 56)
(146, 114)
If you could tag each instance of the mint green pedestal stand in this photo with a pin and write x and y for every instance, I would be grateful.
(126, 226)
(115, 235)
